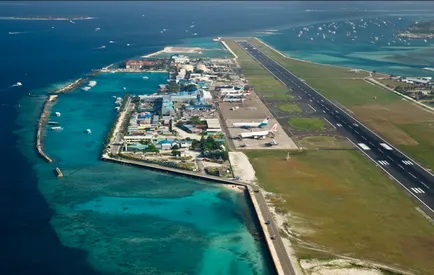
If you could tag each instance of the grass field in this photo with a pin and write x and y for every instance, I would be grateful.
(342, 204)
(289, 107)
(263, 82)
(399, 122)
(314, 142)
(307, 123)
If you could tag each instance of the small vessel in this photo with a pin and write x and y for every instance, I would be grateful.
(145, 77)
(18, 84)
(97, 29)
(92, 83)
(57, 113)
(56, 128)
(114, 97)
(128, 45)
(87, 88)
(88, 131)
(125, 88)
(53, 123)
(111, 41)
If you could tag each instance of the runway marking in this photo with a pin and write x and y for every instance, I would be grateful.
(383, 162)
(310, 100)
(400, 166)
(412, 175)
(338, 124)
(390, 158)
(363, 146)
(381, 151)
(323, 111)
(357, 132)
(364, 138)
(371, 143)
(424, 185)
(407, 162)
(330, 123)
(350, 127)
(336, 111)
(322, 100)
(385, 146)
(299, 97)
(312, 107)
(417, 190)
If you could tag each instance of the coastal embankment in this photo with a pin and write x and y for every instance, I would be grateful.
(41, 123)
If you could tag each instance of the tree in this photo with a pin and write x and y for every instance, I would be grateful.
(194, 143)
(176, 153)
(195, 120)
(175, 147)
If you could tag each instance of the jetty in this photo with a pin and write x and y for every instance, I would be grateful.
(59, 172)
(41, 123)
(71, 85)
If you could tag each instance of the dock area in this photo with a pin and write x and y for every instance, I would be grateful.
(72, 85)
(59, 172)
(41, 123)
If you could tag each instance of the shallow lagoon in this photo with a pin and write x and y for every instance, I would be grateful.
(131, 220)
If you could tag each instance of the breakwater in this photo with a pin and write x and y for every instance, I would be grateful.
(72, 85)
(41, 123)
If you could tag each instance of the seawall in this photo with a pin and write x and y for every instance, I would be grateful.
(41, 124)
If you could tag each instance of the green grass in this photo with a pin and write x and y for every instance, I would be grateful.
(342, 203)
(307, 123)
(289, 107)
(314, 142)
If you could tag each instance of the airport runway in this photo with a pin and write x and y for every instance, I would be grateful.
(415, 179)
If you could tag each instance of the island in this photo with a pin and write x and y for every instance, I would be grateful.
(419, 30)
(45, 18)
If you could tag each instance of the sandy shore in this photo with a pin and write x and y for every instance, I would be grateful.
(242, 166)
(185, 50)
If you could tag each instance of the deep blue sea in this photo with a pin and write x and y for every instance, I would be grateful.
(103, 218)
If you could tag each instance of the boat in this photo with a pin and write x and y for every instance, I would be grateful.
(57, 113)
(56, 128)
(18, 84)
(88, 131)
(87, 88)
(92, 83)
(53, 123)
(145, 77)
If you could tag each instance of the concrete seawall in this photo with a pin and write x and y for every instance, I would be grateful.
(41, 124)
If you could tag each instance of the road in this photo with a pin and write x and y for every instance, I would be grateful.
(414, 178)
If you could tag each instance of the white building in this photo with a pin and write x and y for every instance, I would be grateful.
(180, 58)
(135, 139)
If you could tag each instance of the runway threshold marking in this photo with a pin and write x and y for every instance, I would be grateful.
(383, 162)
(407, 162)
(417, 190)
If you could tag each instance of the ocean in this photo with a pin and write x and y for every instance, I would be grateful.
(103, 218)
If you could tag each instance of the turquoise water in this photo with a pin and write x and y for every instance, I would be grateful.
(367, 42)
(131, 220)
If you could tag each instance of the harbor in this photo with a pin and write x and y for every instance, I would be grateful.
(41, 124)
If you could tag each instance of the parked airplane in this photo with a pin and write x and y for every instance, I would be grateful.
(247, 125)
(259, 134)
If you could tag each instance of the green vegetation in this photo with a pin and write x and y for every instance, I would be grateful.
(307, 123)
(342, 204)
(314, 142)
(210, 148)
(381, 110)
(260, 79)
(289, 107)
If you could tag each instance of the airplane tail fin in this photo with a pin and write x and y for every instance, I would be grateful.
(265, 121)
(274, 129)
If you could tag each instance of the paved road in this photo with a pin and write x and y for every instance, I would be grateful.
(415, 179)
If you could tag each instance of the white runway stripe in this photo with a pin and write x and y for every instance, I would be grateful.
(407, 162)
(417, 190)
(383, 162)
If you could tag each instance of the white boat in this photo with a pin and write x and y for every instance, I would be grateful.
(56, 128)
(125, 88)
(19, 84)
(87, 88)
(145, 77)
(92, 83)
(111, 41)
(97, 29)
(57, 113)
(88, 131)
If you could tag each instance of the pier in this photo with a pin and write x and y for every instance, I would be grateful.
(72, 85)
(59, 172)
(41, 123)
(263, 214)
